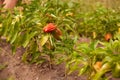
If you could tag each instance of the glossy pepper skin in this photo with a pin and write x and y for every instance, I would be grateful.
(98, 65)
(108, 36)
(49, 28)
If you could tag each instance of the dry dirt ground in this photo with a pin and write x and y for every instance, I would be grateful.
(17, 70)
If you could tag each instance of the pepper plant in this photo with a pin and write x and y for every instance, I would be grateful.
(26, 27)
(96, 59)
(49, 31)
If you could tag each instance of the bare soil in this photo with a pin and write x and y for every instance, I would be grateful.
(17, 70)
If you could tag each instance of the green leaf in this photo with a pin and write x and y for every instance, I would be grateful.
(6, 24)
(14, 49)
(93, 45)
(35, 57)
(116, 71)
(105, 68)
(24, 56)
(13, 38)
(43, 40)
(83, 70)
(74, 67)
(28, 38)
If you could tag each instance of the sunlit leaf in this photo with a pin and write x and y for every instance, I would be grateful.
(44, 39)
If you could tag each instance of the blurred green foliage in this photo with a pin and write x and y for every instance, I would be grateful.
(23, 27)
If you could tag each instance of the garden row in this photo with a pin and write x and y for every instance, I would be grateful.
(51, 31)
